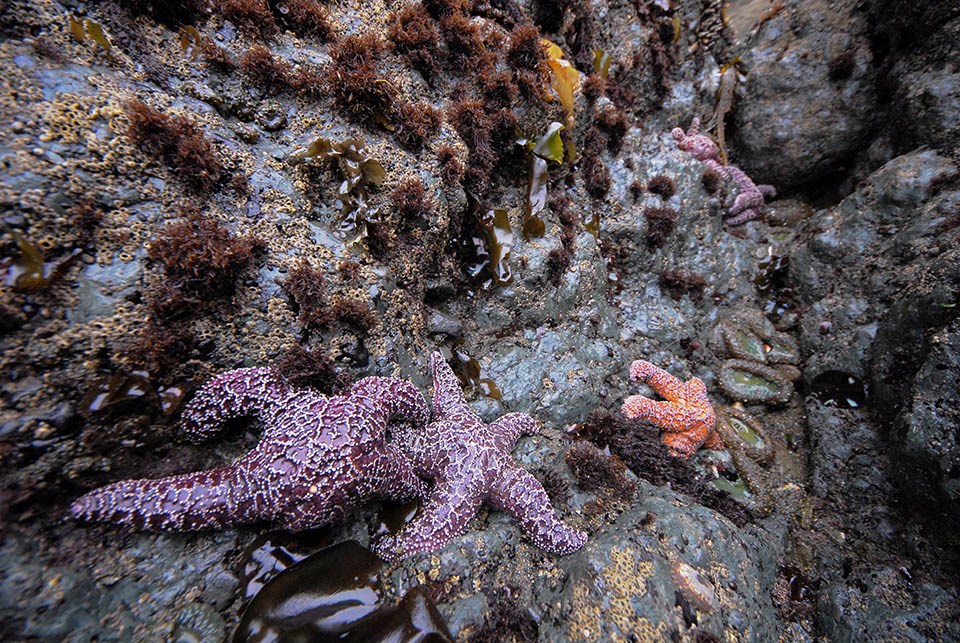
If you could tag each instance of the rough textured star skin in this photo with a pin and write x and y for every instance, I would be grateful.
(319, 457)
(470, 464)
(750, 197)
(686, 417)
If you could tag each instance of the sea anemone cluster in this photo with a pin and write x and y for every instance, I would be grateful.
(761, 363)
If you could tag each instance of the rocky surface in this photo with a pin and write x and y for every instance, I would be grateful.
(843, 541)
(810, 78)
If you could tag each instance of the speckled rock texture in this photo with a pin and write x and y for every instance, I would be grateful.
(635, 264)
(810, 78)
(879, 273)
(926, 84)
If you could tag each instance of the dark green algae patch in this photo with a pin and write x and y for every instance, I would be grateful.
(336, 594)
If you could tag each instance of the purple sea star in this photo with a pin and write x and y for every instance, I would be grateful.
(470, 463)
(318, 458)
(751, 196)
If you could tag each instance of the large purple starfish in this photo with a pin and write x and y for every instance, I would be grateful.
(318, 458)
(751, 196)
(470, 463)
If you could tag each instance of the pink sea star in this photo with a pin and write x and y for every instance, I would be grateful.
(470, 463)
(750, 197)
(318, 458)
(687, 417)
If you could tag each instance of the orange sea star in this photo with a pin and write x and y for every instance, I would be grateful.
(686, 417)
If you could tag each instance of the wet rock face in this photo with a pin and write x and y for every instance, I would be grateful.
(809, 79)
(880, 275)
(864, 257)
(907, 23)
(926, 102)
(658, 572)
(888, 605)
(924, 436)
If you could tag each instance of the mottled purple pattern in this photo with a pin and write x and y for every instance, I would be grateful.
(750, 197)
(470, 463)
(318, 458)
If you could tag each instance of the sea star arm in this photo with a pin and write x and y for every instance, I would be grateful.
(202, 500)
(639, 407)
(659, 380)
(401, 399)
(683, 444)
(394, 475)
(447, 395)
(444, 516)
(508, 428)
(521, 495)
(418, 445)
(238, 393)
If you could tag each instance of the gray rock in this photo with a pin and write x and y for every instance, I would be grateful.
(878, 270)
(926, 103)
(889, 605)
(927, 454)
(620, 584)
(628, 580)
(101, 288)
(440, 323)
(809, 99)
